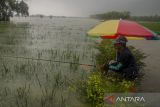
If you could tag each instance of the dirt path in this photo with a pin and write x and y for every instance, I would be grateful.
(151, 80)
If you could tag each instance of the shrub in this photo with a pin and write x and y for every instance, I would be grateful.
(95, 90)
(106, 52)
(97, 85)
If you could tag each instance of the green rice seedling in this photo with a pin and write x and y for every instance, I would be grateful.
(40, 85)
(5, 71)
(57, 79)
(63, 101)
(23, 68)
(49, 98)
(5, 92)
(22, 97)
(47, 78)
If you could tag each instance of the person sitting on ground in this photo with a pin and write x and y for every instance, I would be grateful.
(125, 63)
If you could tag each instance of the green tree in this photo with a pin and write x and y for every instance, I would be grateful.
(9, 7)
(23, 8)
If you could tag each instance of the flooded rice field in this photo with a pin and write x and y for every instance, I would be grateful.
(42, 61)
(30, 50)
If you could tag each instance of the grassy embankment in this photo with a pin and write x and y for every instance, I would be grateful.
(97, 85)
(154, 26)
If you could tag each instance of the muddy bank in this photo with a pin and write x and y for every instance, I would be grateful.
(151, 80)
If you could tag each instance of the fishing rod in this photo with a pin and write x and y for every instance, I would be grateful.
(48, 60)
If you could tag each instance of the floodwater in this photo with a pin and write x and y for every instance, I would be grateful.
(40, 83)
(151, 80)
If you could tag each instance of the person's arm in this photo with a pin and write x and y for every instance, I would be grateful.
(116, 67)
(111, 62)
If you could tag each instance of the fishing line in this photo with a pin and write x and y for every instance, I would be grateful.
(48, 60)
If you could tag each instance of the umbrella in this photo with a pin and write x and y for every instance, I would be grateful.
(113, 28)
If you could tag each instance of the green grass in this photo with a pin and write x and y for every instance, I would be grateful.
(154, 26)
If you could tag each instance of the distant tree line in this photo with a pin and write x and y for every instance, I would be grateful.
(146, 18)
(8, 8)
(124, 15)
(112, 15)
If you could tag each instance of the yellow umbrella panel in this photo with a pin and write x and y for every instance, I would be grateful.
(105, 28)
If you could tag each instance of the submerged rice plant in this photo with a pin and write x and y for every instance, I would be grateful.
(33, 56)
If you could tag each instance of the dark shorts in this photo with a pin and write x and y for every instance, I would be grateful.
(129, 73)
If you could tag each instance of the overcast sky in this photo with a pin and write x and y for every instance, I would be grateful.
(87, 7)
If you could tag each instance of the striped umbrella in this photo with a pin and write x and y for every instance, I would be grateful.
(113, 28)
